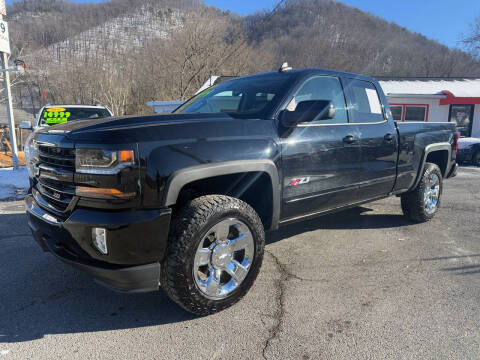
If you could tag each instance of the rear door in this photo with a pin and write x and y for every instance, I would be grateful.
(378, 139)
(320, 160)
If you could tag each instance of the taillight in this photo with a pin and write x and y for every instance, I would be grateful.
(456, 145)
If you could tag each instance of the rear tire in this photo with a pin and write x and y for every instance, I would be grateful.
(421, 204)
(215, 252)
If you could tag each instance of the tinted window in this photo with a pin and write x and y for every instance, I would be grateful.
(365, 105)
(58, 115)
(323, 88)
(415, 113)
(249, 97)
(396, 112)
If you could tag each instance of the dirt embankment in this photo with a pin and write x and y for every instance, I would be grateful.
(6, 159)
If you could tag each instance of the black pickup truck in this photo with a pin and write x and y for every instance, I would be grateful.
(181, 201)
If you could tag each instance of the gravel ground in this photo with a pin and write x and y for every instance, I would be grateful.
(361, 284)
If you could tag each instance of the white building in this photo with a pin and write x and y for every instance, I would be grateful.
(436, 99)
(164, 107)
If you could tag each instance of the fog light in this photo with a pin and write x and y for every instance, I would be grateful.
(99, 237)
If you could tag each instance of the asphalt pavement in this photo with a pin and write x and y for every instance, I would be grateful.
(361, 284)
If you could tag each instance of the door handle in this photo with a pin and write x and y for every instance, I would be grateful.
(349, 139)
(388, 137)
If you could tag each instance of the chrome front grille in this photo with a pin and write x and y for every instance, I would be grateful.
(56, 156)
(54, 186)
(58, 196)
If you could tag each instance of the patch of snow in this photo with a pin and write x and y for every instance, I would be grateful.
(120, 35)
(4, 352)
(13, 182)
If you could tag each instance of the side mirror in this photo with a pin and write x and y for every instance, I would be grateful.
(25, 125)
(307, 111)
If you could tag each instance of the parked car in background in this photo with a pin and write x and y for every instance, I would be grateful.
(50, 115)
(469, 151)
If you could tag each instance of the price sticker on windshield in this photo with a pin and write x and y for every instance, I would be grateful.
(55, 116)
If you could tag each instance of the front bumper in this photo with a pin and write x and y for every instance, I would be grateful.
(137, 242)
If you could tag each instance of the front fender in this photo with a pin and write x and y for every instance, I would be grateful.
(178, 179)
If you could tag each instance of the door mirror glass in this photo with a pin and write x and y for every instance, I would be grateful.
(308, 111)
(25, 125)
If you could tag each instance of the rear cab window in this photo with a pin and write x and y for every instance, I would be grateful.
(58, 114)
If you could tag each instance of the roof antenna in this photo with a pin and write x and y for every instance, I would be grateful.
(285, 67)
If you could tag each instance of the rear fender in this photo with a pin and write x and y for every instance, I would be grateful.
(444, 146)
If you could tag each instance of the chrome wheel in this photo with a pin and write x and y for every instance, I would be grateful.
(431, 194)
(223, 258)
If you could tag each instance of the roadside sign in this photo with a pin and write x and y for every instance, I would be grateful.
(3, 9)
(4, 41)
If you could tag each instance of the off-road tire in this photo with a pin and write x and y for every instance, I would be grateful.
(188, 228)
(413, 203)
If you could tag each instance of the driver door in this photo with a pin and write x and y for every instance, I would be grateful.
(320, 159)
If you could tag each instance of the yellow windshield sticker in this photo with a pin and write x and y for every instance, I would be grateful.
(55, 109)
(56, 116)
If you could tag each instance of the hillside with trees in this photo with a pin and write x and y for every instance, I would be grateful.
(316, 33)
(123, 53)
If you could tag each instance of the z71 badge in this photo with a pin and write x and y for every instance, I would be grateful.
(299, 181)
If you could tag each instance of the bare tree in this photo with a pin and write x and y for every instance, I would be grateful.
(472, 41)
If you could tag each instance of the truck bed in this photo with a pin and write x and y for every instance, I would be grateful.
(414, 139)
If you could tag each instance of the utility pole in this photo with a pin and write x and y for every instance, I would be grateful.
(8, 93)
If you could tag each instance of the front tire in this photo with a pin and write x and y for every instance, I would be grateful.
(421, 204)
(215, 252)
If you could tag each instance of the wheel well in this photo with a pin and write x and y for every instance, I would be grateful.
(440, 158)
(254, 188)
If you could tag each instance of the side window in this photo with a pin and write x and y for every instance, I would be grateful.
(365, 105)
(397, 112)
(415, 113)
(323, 88)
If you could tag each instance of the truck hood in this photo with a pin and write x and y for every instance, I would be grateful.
(118, 122)
(121, 122)
(168, 127)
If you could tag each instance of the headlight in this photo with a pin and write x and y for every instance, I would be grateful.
(95, 161)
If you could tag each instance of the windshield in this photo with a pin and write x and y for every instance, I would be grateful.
(249, 97)
(59, 115)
